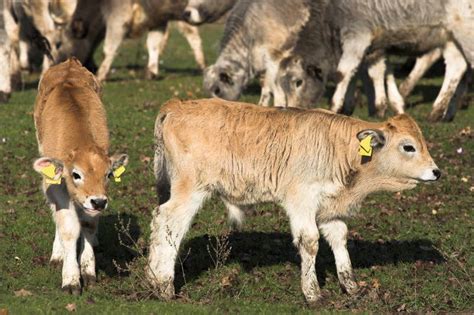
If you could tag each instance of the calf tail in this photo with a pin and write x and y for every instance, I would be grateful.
(161, 173)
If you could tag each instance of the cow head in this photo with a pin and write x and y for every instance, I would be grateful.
(401, 151)
(302, 84)
(225, 81)
(86, 174)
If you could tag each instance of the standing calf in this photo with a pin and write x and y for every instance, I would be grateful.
(307, 161)
(73, 141)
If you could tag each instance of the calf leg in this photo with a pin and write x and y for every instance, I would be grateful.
(335, 233)
(191, 33)
(456, 66)
(58, 252)
(68, 226)
(422, 65)
(154, 41)
(305, 237)
(169, 225)
(353, 53)
(87, 258)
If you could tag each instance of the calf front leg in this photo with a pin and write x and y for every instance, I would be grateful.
(67, 223)
(305, 238)
(353, 53)
(169, 225)
(87, 258)
(335, 233)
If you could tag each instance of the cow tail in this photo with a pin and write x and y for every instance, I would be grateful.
(160, 169)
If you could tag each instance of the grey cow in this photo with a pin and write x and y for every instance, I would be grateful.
(258, 34)
(365, 26)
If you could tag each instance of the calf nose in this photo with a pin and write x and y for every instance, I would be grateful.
(187, 15)
(99, 203)
(437, 173)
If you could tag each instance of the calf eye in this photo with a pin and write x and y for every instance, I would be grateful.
(76, 176)
(298, 83)
(409, 148)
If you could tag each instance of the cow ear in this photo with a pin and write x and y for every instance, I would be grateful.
(378, 138)
(49, 167)
(119, 160)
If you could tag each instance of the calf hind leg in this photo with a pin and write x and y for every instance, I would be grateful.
(335, 233)
(169, 225)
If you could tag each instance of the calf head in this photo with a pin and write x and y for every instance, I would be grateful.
(400, 152)
(302, 84)
(86, 174)
(225, 81)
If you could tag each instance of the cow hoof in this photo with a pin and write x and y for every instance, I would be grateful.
(314, 301)
(89, 281)
(4, 97)
(435, 116)
(74, 289)
(350, 287)
(150, 75)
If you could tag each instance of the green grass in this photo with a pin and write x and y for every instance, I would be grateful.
(411, 251)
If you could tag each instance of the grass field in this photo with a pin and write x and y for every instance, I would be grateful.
(411, 251)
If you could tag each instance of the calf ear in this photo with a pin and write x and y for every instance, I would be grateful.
(119, 160)
(378, 139)
(49, 167)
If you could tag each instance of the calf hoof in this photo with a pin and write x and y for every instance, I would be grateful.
(56, 263)
(89, 281)
(74, 289)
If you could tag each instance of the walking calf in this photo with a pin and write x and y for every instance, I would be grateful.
(73, 141)
(307, 161)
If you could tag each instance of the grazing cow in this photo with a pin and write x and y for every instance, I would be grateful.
(258, 34)
(131, 18)
(206, 11)
(73, 140)
(369, 25)
(318, 165)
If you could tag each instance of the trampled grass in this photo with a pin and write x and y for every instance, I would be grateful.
(411, 251)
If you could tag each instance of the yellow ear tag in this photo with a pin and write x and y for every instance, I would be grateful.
(365, 149)
(117, 173)
(49, 173)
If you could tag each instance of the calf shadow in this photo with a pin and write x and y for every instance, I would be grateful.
(257, 249)
(114, 241)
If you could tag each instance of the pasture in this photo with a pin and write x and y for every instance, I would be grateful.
(411, 252)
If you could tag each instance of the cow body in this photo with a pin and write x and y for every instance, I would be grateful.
(73, 140)
(307, 161)
(133, 17)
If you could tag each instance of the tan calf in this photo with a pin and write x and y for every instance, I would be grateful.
(73, 140)
(307, 161)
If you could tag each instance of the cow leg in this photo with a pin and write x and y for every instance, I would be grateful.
(154, 41)
(377, 74)
(335, 233)
(191, 33)
(266, 92)
(5, 72)
(87, 258)
(353, 53)
(24, 62)
(456, 66)
(422, 65)
(169, 225)
(395, 98)
(67, 223)
(114, 35)
(305, 238)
